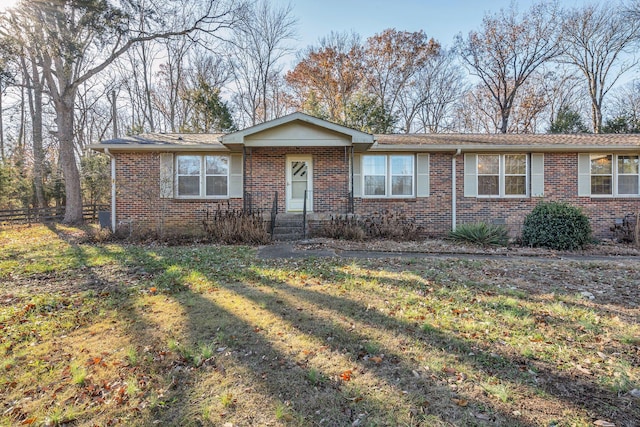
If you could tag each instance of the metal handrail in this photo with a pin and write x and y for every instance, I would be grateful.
(274, 213)
(304, 216)
(350, 203)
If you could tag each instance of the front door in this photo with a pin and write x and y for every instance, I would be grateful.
(299, 180)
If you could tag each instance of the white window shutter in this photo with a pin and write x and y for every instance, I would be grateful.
(422, 184)
(235, 176)
(470, 175)
(584, 174)
(166, 175)
(357, 176)
(537, 174)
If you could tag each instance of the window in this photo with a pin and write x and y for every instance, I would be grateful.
(628, 175)
(202, 176)
(502, 175)
(601, 174)
(388, 176)
(614, 175)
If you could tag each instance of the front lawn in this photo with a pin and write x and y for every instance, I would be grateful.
(115, 334)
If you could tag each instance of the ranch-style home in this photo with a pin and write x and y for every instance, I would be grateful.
(299, 163)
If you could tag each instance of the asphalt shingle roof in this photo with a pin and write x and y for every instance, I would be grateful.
(603, 140)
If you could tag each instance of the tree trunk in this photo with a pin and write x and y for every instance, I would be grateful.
(73, 192)
(597, 117)
(504, 126)
(35, 108)
(1, 126)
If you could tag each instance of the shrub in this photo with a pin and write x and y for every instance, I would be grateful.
(233, 227)
(390, 225)
(383, 225)
(481, 233)
(556, 225)
(342, 227)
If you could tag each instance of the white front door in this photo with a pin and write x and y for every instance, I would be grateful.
(299, 180)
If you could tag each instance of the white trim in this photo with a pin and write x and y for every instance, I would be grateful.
(502, 177)
(202, 177)
(308, 158)
(113, 189)
(615, 175)
(357, 137)
(388, 177)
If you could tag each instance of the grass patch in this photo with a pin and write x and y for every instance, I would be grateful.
(212, 335)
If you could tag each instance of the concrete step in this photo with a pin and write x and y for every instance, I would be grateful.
(288, 227)
(287, 236)
(278, 229)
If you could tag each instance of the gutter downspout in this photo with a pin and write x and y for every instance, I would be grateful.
(113, 189)
(454, 195)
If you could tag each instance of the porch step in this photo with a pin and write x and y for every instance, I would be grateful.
(288, 227)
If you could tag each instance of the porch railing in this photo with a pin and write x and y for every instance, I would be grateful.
(274, 213)
(304, 215)
(257, 201)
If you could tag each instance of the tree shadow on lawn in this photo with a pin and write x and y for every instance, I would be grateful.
(574, 390)
(275, 374)
(280, 375)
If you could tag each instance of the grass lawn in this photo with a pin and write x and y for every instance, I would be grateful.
(114, 334)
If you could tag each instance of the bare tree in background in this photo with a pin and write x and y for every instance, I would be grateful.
(392, 60)
(439, 85)
(258, 45)
(327, 76)
(508, 49)
(78, 39)
(595, 40)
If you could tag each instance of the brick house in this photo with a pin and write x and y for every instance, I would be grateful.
(439, 180)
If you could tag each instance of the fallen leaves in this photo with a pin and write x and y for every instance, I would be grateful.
(346, 375)
(460, 402)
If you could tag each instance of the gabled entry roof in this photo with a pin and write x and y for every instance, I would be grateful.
(298, 129)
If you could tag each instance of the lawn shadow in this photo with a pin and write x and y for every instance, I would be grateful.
(280, 375)
(567, 387)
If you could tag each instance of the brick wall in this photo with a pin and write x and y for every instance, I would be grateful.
(139, 207)
(560, 184)
(433, 213)
(266, 174)
(138, 193)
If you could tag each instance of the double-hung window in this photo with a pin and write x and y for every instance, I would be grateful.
(614, 175)
(202, 176)
(388, 175)
(502, 175)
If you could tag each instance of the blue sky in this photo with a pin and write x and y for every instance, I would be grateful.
(440, 19)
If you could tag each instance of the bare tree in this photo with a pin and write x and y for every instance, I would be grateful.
(508, 49)
(596, 38)
(257, 47)
(476, 112)
(327, 76)
(392, 60)
(74, 40)
(427, 105)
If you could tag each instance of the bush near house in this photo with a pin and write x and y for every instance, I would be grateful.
(380, 225)
(481, 233)
(556, 225)
(235, 227)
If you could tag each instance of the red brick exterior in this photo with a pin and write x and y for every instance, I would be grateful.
(560, 184)
(140, 207)
(432, 213)
(265, 173)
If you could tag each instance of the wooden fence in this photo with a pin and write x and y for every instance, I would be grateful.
(53, 214)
